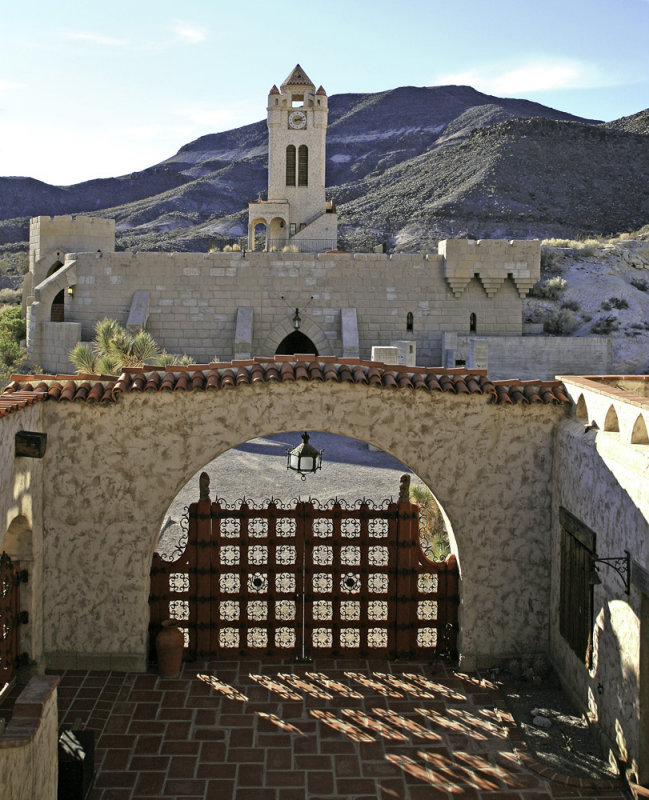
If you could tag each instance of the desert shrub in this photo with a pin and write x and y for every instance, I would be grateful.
(587, 317)
(549, 289)
(617, 302)
(571, 305)
(12, 330)
(606, 306)
(605, 325)
(640, 283)
(557, 242)
(548, 259)
(561, 322)
(10, 297)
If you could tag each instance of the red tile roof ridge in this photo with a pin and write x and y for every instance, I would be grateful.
(228, 375)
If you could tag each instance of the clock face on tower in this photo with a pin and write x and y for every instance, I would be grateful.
(297, 120)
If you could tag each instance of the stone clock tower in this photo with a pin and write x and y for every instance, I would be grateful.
(295, 214)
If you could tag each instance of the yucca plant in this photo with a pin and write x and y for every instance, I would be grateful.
(114, 348)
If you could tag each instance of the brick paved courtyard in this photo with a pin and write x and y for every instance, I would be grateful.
(249, 730)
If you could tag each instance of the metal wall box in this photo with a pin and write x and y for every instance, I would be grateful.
(30, 444)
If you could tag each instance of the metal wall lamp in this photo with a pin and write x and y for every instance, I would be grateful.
(297, 319)
(304, 458)
(621, 564)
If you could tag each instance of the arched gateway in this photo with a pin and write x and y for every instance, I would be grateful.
(306, 580)
(118, 452)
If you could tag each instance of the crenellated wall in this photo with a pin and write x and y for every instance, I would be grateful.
(194, 299)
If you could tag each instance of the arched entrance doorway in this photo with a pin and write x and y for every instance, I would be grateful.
(57, 312)
(296, 342)
(342, 576)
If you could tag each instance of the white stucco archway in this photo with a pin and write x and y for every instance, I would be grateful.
(112, 470)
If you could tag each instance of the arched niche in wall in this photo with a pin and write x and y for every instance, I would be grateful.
(581, 411)
(639, 433)
(611, 422)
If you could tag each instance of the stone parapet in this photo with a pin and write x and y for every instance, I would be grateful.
(28, 747)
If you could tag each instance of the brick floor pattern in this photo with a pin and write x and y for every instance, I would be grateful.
(252, 730)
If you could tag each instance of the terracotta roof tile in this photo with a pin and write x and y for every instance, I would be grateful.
(25, 390)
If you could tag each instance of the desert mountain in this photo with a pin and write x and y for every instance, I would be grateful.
(404, 166)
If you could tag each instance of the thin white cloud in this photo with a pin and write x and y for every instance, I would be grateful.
(189, 34)
(535, 76)
(10, 86)
(95, 38)
(204, 115)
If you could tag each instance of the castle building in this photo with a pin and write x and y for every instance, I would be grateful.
(295, 212)
(460, 305)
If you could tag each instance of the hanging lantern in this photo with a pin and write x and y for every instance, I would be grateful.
(304, 458)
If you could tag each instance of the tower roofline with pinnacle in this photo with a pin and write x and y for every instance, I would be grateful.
(298, 77)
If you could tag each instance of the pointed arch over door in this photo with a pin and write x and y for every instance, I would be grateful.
(296, 342)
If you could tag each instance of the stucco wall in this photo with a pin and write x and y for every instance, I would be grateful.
(598, 477)
(111, 473)
(194, 299)
(21, 514)
(28, 748)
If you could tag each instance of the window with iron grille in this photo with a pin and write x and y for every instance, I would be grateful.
(576, 593)
(303, 165)
(290, 165)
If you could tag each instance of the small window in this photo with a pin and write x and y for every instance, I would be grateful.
(303, 166)
(290, 165)
(409, 321)
(293, 228)
(576, 592)
(473, 323)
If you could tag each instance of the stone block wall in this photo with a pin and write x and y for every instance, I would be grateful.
(492, 261)
(539, 357)
(65, 233)
(194, 300)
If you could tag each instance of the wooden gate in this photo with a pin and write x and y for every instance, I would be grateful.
(305, 581)
(10, 618)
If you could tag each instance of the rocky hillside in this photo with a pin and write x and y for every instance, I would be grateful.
(405, 167)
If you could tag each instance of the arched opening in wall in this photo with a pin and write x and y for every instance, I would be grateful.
(473, 323)
(639, 433)
(611, 422)
(56, 266)
(278, 234)
(18, 547)
(57, 312)
(259, 236)
(303, 165)
(581, 411)
(290, 165)
(296, 342)
(308, 566)
(409, 321)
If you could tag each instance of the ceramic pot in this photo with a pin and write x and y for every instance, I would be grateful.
(169, 645)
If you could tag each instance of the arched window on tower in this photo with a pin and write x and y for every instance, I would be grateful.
(290, 165)
(409, 321)
(473, 323)
(303, 166)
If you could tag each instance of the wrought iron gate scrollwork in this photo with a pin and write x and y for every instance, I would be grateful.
(306, 580)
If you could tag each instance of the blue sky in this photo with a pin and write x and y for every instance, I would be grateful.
(92, 90)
